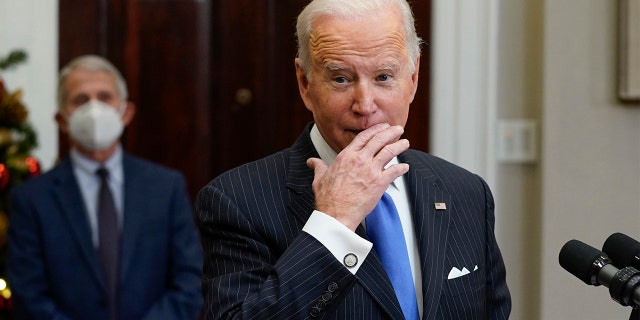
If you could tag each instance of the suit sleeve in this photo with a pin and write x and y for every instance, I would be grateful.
(245, 278)
(183, 298)
(498, 304)
(25, 263)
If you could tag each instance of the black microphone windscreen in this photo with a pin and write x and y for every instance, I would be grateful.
(623, 250)
(578, 258)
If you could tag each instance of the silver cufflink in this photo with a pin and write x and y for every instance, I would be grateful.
(350, 260)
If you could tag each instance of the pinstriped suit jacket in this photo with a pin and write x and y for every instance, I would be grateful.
(260, 265)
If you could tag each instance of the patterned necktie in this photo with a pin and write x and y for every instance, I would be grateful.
(385, 232)
(109, 237)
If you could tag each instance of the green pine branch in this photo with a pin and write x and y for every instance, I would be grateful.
(29, 139)
(15, 57)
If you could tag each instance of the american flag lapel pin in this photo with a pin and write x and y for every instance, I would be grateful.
(441, 206)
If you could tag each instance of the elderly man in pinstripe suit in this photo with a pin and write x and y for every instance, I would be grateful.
(285, 237)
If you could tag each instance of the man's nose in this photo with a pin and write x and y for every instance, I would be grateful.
(364, 100)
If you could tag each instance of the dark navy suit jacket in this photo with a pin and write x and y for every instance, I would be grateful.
(260, 265)
(53, 267)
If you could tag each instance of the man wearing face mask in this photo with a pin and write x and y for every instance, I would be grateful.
(103, 235)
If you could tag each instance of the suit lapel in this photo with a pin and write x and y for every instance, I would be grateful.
(371, 274)
(300, 177)
(432, 227)
(134, 204)
(373, 277)
(73, 209)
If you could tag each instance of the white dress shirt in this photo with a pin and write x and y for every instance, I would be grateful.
(84, 170)
(341, 241)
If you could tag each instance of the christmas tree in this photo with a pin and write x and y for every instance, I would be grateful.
(17, 140)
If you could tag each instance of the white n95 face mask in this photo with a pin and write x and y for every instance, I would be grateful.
(95, 125)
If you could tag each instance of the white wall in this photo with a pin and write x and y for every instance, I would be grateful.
(32, 25)
(552, 62)
(591, 152)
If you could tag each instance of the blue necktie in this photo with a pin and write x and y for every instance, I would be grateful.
(385, 232)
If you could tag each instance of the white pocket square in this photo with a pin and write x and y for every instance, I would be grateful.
(457, 273)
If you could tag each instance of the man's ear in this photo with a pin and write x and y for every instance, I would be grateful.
(129, 113)
(62, 122)
(414, 78)
(303, 84)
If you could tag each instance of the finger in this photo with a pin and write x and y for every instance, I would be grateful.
(394, 171)
(317, 165)
(361, 140)
(390, 151)
(382, 139)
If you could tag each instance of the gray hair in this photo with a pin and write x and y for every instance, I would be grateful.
(353, 9)
(90, 63)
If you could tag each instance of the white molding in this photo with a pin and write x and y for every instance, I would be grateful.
(464, 83)
(32, 25)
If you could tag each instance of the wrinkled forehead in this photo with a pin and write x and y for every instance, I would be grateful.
(374, 35)
(90, 83)
(80, 77)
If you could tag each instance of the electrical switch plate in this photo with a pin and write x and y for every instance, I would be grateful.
(517, 141)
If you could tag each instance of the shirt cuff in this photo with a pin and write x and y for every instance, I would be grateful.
(344, 244)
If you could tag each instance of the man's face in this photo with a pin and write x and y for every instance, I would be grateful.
(360, 76)
(83, 85)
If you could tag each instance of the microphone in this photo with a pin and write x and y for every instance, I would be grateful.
(623, 250)
(595, 268)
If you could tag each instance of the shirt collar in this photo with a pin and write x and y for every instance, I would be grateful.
(90, 166)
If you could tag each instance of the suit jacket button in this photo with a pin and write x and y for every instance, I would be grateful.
(315, 312)
(327, 296)
(332, 287)
(350, 260)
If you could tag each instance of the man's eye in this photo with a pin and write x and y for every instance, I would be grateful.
(105, 97)
(340, 80)
(79, 100)
(384, 77)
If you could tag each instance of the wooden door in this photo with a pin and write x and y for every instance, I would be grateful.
(255, 95)
(214, 81)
